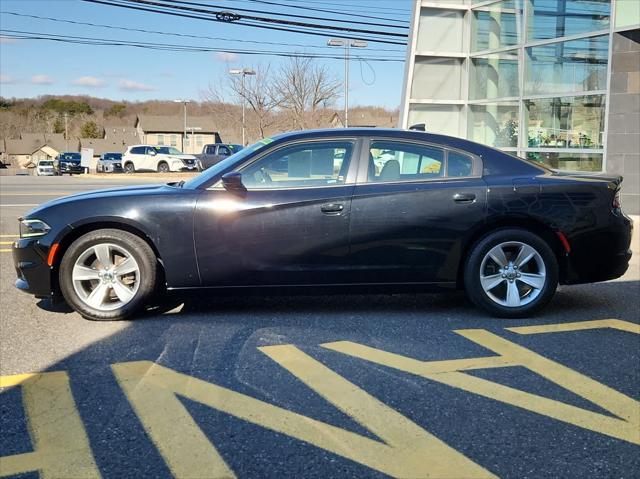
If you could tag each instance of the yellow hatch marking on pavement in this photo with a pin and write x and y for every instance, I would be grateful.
(6, 242)
(627, 409)
(61, 447)
(5, 250)
(579, 326)
(16, 379)
(405, 449)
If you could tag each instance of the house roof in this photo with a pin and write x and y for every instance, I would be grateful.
(107, 145)
(175, 124)
(29, 143)
(121, 133)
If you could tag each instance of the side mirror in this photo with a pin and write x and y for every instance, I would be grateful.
(232, 182)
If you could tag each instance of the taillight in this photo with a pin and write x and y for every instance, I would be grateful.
(616, 205)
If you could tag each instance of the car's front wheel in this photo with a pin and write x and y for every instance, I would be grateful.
(511, 273)
(163, 167)
(108, 274)
(129, 168)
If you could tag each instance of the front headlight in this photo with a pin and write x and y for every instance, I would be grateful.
(33, 228)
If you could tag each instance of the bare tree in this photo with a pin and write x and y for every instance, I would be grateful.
(303, 88)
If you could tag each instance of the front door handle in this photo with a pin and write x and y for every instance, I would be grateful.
(464, 197)
(332, 208)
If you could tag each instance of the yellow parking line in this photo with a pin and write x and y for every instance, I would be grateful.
(5, 250)
(9, 236)
(6, 242)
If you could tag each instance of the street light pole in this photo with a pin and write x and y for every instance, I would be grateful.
(347, 44)
(243, 72)
(184, 137)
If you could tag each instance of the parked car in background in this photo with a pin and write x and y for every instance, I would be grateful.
(110, 163)
(216, 152)
(45, 168)
(441, 213)
(68, 163)
(157, 158)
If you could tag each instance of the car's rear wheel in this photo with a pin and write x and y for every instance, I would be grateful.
(511, 273)
(163, 167)
(129, 168)
(108, 274)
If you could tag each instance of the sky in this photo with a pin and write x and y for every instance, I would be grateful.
(30, 68)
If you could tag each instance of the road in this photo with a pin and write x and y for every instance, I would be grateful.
(340, 386)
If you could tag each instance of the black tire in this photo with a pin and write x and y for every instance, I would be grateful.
(472, 272)
(129, 167)
(163, 167)
(139, 250)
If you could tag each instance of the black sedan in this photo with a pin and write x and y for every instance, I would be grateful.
(333, 210)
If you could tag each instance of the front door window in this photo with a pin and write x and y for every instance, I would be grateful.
(323, 163)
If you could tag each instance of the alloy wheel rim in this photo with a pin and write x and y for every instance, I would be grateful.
(106, 277)
(513, 274)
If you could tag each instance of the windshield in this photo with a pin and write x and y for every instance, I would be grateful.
(112, 156)
(167, 150)
(235, 148)
(70, 156)
(226, 164)
(45, 163)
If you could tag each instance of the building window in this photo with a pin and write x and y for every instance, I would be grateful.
(560, 18)
(441, 30)
(494, 124)
(441, 118)
(174, 140)
(572, 122)
(437, 78)
(199, 141)
(496, 25)
(569, 160)
(494, 76)
(565, 67)
(160, 139)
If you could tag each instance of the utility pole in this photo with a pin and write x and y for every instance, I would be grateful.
(66, 131)
(184, 134)
(244, 72)
(337, 42)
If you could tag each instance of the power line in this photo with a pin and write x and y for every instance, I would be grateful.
(186, 35)
(271, 27)
(290, 15)
(231, 17)
(23, 35)
(359, 7)
(336, 11)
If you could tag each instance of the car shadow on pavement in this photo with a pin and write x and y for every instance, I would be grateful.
(217, 340)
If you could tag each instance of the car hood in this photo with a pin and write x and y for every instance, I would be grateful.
(183, 157)
(140, 190)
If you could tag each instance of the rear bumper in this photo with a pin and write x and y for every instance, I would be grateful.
(33, 272)
(601, 255)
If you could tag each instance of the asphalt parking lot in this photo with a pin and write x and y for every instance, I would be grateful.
(344, 386)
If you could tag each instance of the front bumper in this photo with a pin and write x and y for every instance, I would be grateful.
(33, 273)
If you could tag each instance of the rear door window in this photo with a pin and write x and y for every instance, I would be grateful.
(391, 161)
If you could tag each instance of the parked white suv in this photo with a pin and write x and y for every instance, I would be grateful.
(45, 168)
(157, 158)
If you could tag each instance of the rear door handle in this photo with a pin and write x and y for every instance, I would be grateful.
(332, 208)
(464, 197)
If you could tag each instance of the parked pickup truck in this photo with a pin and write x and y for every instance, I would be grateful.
(216, 152)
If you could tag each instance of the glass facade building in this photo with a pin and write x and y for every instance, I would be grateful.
(534, 77)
